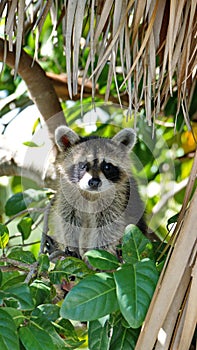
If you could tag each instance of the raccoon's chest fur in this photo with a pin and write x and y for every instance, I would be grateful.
(84, 223)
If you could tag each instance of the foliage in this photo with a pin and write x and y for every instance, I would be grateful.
(114, 299)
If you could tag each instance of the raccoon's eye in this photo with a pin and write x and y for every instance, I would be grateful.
(107, 167)
(110, 171)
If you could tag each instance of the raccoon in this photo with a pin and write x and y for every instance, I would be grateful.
(97, 196)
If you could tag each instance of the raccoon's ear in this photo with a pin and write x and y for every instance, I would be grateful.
(65, 137)
(126, 137)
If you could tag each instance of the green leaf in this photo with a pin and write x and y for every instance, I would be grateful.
(8, 332)
(49, 311)
(66, 328)
(160, 266)
(47, 326)
(102, 260)
(40, 292)
(22, 200)
(32, 144)
(134, 245)
(21, 293)
(69, 267)
(4, 236)
(98, 337)
(17, 203)
(8, 300)
(16, 315)
(172, 220)
(37, 122)
(24, 226)
(43, 262)
(123, 338)
(34, 337)
(22, 255)
(1, 277)
(11, 278)
(135, 286)
(92, 298)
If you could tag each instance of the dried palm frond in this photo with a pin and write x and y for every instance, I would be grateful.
(172, 315)
(151, 44)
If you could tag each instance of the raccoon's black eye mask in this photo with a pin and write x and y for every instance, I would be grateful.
(83, 166)
(78, 171)
(110, 171)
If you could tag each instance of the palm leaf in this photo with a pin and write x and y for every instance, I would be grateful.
(171, 319)
(155, 42)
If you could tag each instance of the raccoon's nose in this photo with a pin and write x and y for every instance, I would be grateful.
(94, 183)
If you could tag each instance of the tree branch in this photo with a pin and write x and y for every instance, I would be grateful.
(39, 85)
(60, 83)
(13, 163)
(19, 264)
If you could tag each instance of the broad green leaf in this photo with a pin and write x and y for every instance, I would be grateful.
(22, 200)
(135, 285)
(92, 298)
(56, 332)
(22, 255)
(2, 295)
(17, 203)
(16, 315)
(1, 277)
(34, 337)
(49, 311)
(11, 278)
(69, 267)
(8, 300)
(21, 293)
(102, 260)
(47, 326)
(40, 292)
(123, 338)
(4, 236)
(134, 245)
(43, 262)
(98, 337)
(24, 227)
(8, 332)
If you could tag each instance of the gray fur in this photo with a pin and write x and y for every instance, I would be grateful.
(62, 131)
(127, 137)
(84, 219)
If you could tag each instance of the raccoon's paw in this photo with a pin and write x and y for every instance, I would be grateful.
(50, 244)
(53, 249)
(73, 253)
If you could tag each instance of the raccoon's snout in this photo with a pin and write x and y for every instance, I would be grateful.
(94, 183)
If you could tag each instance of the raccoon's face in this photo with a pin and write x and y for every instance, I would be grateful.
(92, 170)
(94, 164)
